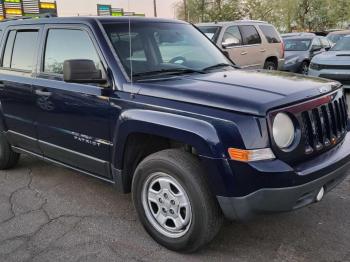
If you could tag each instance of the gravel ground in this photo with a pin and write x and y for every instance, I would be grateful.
(49, 213)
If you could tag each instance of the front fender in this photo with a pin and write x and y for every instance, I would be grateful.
(192, 131)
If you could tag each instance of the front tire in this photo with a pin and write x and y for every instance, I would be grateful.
(304, 68)
(172, 198)
(8, 158)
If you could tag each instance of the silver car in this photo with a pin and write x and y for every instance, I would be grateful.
(249, 44)
(334, 64)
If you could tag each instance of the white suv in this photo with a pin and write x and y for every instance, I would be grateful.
(249, 44)
(334, 64)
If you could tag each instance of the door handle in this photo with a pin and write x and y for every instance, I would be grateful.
(244, 53)
(42, 92)
(263, 50)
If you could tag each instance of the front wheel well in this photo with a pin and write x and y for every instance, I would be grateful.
(272, 59)
(138, 146)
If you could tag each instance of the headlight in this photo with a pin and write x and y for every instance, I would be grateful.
(292, 61)
(283, 130)
(315, 66)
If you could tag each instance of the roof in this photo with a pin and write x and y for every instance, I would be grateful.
(342, 32)
(86, 19)
(302, 37)
(226, 23)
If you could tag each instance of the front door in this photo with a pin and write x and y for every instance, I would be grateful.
(16, 94)
(74, 120)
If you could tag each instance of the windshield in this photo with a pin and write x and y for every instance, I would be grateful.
(336, 38)
(211, 32)
(157, 48)
(342, 45)
(297, 44)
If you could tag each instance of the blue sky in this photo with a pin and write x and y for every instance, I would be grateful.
(88, 7)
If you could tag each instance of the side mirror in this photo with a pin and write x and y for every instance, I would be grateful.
(82, 71)
(316, 49)
(230, 42)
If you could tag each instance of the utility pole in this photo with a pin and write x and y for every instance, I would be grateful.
(155, 7)
(185, 10)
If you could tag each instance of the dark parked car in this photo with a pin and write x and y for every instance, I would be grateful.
(300, 50)
(155, 108)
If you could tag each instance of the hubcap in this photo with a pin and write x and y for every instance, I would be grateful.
(166, 205)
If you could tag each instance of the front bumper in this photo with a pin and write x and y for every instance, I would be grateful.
(294, 68)
(274, 186)
(279, 199)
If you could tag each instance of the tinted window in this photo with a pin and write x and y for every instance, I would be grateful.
(6, 62)
(24, 50)
(250, 35)
(232, 35)
(211, 32)
(66, 44)
(270, 33)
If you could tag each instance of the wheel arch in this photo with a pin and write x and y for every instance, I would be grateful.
(140, 133)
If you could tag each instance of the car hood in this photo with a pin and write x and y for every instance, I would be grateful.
(333, 58)
(251, 92)
(292, 54)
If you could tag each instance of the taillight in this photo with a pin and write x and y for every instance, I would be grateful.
(282, 51)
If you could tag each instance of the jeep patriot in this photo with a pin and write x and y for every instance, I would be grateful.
(155, 108)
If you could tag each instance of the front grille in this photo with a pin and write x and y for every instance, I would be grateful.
(333, 67)
(324, 126)
(321, 124)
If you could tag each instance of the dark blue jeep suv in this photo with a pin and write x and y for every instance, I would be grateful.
(155, 108)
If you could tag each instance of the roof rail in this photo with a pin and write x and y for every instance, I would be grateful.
(44, 15)
(252, 21)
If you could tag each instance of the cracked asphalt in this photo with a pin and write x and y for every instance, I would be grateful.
(49, 213)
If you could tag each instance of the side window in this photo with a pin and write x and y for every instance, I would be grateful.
(6, 61)
(316, 43)
(325, 43)
(67, 44)
(24, 50)
(270, 33)
(20, 50)
(232, 36)
(250, 35)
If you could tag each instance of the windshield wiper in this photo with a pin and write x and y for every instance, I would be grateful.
(172, 71)
(218, 66)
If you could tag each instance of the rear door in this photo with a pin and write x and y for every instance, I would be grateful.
(273, 46)
(252, 51)
(73, 120)
(19, 54)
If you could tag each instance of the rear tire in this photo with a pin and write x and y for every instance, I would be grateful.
(270, 65)
(8, 158)
(162, 184)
